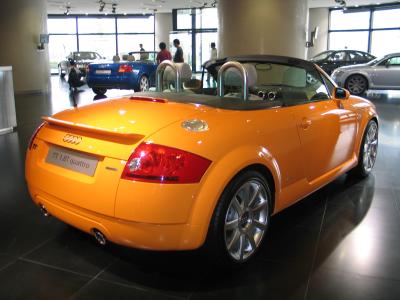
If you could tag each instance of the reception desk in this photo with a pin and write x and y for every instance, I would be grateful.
(8, 119)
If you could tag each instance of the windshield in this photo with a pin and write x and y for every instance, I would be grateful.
(322, 55)
(377, 60)
(85, 55)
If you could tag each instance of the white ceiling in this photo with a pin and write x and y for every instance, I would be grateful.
(147, 6)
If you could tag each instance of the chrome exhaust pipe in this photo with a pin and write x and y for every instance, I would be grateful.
(100, 237)
(44, 210)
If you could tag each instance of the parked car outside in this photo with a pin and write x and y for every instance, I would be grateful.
(205, 167)
(381, 73)
(82, 60)
(130, 73)
(332, 59)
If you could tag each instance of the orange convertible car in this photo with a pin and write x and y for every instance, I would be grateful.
(186, 166)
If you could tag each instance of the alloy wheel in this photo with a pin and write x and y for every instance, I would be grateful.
(370, 147)
(356, 84)
(144, 84)
(246, 220)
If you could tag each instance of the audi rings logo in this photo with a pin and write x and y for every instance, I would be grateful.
(72, 139)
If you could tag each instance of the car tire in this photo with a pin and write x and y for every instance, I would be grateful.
(144, 84)
(60, 72)
(240, 220)
(368, 151)
(99, 91)
(356, 84)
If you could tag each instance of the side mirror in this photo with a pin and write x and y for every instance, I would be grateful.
(340, 93)
(387, 63)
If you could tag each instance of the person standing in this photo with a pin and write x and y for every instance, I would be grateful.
(143, 54)
(213, 56)
(164, 54)
(213, 52)
(178, 57)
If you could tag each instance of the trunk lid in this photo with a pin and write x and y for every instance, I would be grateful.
(123, 122)
(79, 156)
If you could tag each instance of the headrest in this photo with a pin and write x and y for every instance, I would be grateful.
(116, 58)
(233, 76)
(184, 69)
(125, 57)
(130, 58)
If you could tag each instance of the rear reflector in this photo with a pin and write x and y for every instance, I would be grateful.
(125, 69)
(35, 133)
(162, 164)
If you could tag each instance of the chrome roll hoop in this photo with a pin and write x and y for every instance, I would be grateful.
(160, 74)
(243, 72)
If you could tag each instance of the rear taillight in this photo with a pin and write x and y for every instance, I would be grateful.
(161, 164)
(125, 69)
(34, 135)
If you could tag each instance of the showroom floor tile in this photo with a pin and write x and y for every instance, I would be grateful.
(339, 243)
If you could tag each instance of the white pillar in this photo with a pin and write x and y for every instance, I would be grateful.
(21, 23)
(163, 26)
(263, 27)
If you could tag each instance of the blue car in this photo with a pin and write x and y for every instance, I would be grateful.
(128, 74)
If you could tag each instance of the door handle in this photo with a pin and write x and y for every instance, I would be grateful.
(305, 123)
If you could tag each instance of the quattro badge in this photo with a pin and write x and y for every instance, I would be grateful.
(72, 139)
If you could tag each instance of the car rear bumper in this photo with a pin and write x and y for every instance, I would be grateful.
(132, 234)
(112, 82)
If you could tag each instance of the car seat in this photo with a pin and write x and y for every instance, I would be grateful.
(233, 81)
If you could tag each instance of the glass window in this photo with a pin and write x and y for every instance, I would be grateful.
(343, 20)
(394, 61)
(130, 42)
(136, 25)
(203, 42)
(356, 56)
(209, 18)
(338, 56)
(329, 84)
(96, 25)
(322, 55)
(183, 19)
(186, 43)
(60, 46)
(385, 42)
(355, 40)
(102, 44)
(388, 18)
(315, 88)
(61, 25)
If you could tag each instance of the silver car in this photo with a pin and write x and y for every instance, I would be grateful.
(380, 73)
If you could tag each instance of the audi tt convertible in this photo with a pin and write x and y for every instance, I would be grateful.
(190, 167)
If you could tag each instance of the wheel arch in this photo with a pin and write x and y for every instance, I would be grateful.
(367, 119)
(221, 175)
(266, 173)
